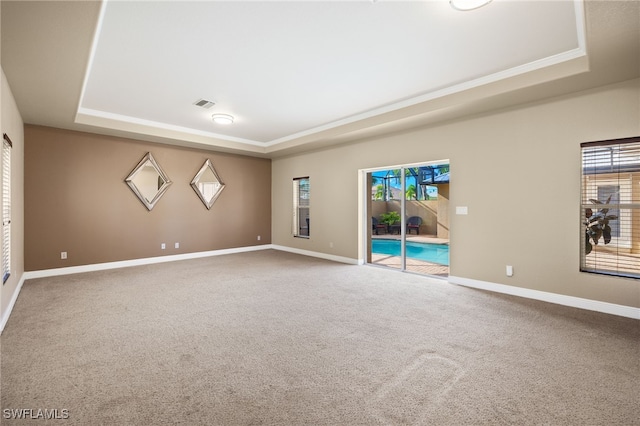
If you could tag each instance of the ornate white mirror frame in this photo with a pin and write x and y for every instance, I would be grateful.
(207, 184)
(148, 181)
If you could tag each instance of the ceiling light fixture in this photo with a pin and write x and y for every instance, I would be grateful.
(465, 5)
(222, 118)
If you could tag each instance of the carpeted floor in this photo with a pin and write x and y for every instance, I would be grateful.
(273, 338)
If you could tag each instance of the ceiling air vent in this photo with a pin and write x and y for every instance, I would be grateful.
(204, 103)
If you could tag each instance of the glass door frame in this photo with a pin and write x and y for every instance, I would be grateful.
(364, 200)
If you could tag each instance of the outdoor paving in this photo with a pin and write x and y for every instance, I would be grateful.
(413, 265)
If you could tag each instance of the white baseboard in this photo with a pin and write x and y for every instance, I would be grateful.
(160, 259)
(326, 256)
(7, 313)
(150, 260)
(559, 299)
(137, 262)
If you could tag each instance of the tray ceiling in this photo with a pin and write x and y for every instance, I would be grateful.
(292, 74)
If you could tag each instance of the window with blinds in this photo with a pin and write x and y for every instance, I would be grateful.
(301, 198)
(6, 208)
(610, 207)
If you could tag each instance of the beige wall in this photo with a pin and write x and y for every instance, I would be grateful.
(11, 123)
(517, 171)
(76, 201)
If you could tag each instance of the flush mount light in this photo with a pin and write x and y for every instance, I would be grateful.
(468, 4)
(222, 118)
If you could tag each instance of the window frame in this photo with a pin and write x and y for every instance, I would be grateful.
(6, 208)
(298, 209)
(609, 163)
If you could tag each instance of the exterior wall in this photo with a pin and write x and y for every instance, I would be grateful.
(378, 207)
(428, 211)
(77, 201)
(443, 211)
(434, 213)
(518, 172)
(11, 123)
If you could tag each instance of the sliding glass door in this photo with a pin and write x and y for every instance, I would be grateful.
(386, 217)
(409, 212)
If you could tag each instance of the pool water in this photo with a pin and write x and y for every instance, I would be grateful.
(435, 253)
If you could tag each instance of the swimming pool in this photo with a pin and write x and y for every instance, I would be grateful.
(435, 253)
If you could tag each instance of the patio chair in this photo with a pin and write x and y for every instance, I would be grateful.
(414, 222)
(376, 226)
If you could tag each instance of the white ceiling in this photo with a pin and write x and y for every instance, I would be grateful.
(297, 75)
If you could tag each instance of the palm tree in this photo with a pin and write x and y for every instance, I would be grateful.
(415, 172)
(411, 192)
(379, 195)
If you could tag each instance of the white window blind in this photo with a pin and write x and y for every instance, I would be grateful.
(6, 208)
(301, 198)
(610, 207)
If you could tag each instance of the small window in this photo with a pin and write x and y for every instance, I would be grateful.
(6, 208)
(301, 197)
(610, 207)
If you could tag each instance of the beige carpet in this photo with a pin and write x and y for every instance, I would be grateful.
(272, 338)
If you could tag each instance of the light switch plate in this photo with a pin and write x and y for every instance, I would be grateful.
(462, 210)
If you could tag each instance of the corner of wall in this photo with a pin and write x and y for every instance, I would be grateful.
(11, 123)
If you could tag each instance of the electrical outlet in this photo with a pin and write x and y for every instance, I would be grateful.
(177, 245)
(63, 255)
(163, 246)
(509, 270)
(330, 245)
(258, 237)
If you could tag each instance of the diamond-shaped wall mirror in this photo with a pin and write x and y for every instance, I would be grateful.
(148, 181)
(207, 184)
